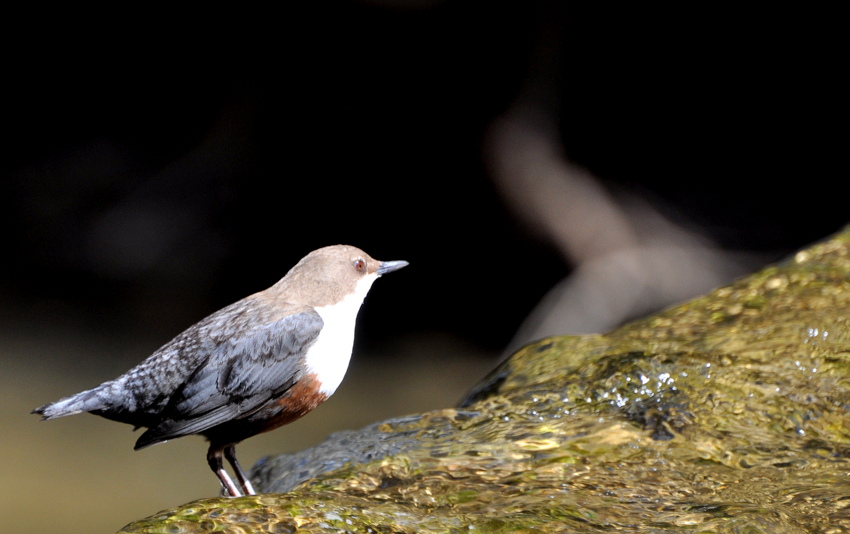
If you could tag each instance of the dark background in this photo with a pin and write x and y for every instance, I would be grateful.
(178, 161)
(161, 164)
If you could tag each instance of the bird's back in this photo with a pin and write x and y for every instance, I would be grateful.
(145, 394)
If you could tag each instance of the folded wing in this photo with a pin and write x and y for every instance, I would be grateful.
(240, 375)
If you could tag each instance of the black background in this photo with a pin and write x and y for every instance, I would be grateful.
(161, 164)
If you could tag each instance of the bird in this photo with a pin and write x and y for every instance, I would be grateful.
(253, 366)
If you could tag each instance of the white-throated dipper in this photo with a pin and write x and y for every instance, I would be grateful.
(253, 366)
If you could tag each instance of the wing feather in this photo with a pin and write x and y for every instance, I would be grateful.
(240, 375)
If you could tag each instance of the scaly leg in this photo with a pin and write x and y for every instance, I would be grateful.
(244, 481)
(214, 459)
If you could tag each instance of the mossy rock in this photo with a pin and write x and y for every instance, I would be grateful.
(725, 414)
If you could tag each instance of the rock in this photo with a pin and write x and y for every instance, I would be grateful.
(725, 414)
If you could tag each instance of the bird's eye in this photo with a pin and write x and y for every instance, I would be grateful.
(359, 265)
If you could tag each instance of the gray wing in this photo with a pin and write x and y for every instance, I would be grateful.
(241, 374)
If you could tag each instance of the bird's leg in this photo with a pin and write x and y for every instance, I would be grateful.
(244, 481)
(214, 459)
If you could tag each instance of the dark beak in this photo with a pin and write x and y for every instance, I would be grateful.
(390, 266)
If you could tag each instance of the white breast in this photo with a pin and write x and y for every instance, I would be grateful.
(329, 356)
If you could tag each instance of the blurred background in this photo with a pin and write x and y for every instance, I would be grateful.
(544, 168)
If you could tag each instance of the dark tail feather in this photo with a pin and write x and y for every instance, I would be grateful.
(86, 401)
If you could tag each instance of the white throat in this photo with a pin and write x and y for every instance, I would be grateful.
(328, 357)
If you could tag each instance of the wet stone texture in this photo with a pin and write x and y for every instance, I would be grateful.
(726, 414)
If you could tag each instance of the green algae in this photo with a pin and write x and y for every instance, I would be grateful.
(725, 414)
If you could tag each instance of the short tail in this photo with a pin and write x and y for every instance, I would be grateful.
(86, 401)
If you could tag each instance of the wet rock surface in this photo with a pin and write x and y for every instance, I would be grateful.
(726, 414)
